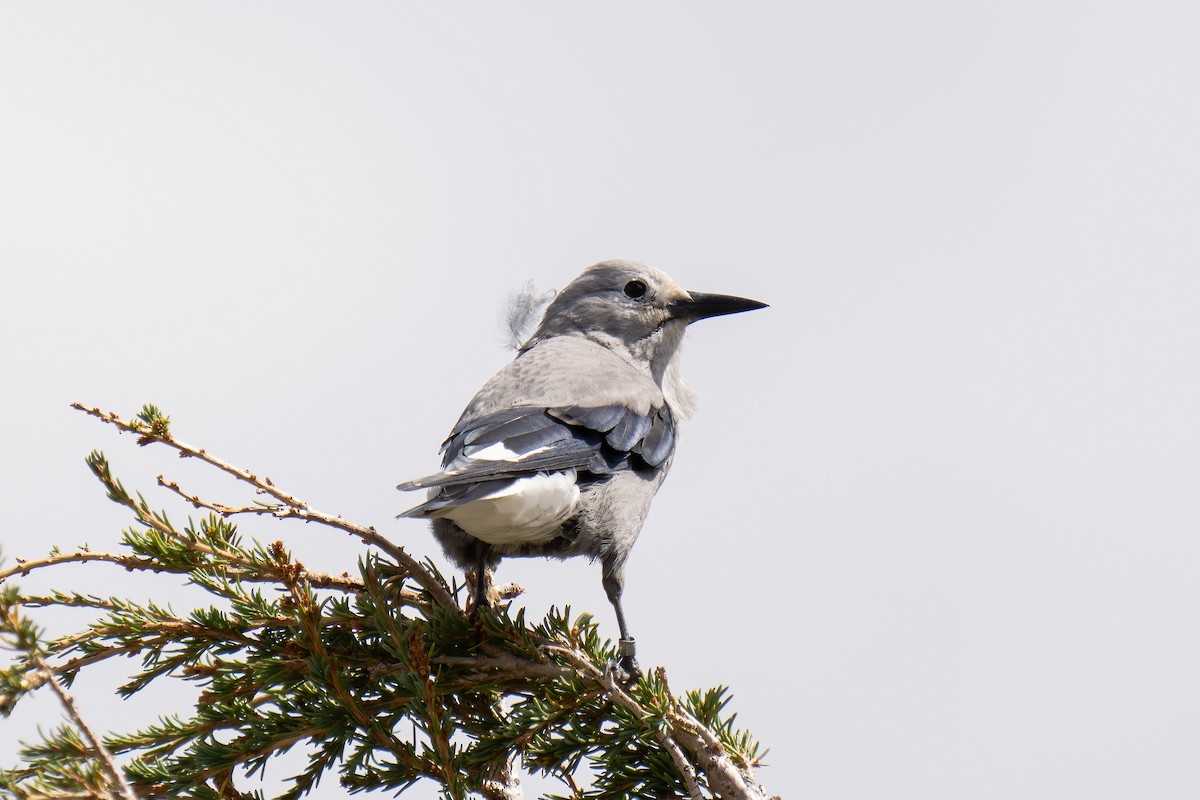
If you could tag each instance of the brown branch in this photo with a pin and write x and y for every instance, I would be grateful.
(502, 785)
(65, 601)
(503, 663)
(293, 507)
(75, 664)
(319, 580)
(24, 567)
(322, 580)
(223, 510)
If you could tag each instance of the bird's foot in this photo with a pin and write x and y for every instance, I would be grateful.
(625, 670)
(473, 614)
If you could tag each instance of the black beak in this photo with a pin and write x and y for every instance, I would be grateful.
(704, 305)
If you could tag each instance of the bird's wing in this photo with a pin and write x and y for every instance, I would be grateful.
(518, 442)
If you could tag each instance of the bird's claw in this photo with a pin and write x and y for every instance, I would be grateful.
(473, 614)
(619, 674)
(625, 670)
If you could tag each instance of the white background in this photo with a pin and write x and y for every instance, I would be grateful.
(936, 523)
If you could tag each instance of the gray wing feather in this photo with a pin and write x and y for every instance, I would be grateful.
(457, 495)
(599, 441)
(602, 419)
(629, 431)
(659, 442)
(498, 427)
(576, 457)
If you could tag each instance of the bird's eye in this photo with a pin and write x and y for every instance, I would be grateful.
(635, 289)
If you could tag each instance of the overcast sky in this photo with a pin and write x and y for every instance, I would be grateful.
(936, 521)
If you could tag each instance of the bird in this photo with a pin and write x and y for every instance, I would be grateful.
(560, 453)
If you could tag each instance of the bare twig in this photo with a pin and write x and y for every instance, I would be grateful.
(223, 510)
(292, 507)
(26, 566)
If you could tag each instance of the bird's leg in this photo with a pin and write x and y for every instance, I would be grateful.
(614, 583)
(482, 551)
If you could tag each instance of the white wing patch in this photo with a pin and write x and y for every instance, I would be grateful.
(528, 511)
(499, 452)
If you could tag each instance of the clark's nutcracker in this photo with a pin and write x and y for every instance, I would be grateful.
(561, 452)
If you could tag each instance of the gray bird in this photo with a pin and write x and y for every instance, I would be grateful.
(561, 452)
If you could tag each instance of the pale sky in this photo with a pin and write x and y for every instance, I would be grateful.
(936, 521)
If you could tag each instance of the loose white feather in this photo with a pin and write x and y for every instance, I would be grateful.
(523, 313)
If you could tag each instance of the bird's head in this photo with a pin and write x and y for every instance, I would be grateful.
(634, 310)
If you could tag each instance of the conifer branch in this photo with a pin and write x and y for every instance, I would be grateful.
(105, 758)
(379, 677)
(156, 428)
(607, 680)
(24, 567)
(22, 636)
